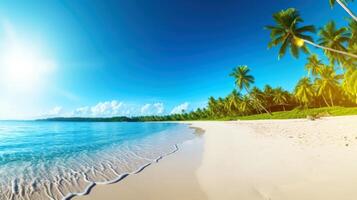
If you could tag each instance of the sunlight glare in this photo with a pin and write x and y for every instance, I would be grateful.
(23, 68)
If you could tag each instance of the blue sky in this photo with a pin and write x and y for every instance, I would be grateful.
(103, 58)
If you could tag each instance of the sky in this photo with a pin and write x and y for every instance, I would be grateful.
(95, 58)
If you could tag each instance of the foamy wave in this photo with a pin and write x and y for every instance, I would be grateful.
(119, 178)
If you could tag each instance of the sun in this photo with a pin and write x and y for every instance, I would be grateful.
(28, 70)
(23, 67)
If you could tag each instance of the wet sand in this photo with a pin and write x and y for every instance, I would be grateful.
(255, 160)
(166, 179)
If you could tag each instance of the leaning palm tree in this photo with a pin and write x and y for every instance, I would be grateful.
(328, 84)
(288, 34)
(313, 65)
(244, 80)
(304, 91)
(343, 4)
(259, 96)
(334, 38)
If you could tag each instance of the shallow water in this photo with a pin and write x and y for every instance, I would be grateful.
(56, 160)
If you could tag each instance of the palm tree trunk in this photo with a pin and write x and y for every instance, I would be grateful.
(330, 49)
(331, 99)
(323, 97)
(347, 9)
(258, 102)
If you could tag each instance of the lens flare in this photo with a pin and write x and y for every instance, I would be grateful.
(299, 42)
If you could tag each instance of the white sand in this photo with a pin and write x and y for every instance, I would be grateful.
(273, 159)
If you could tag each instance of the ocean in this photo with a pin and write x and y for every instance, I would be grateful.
(58, 160)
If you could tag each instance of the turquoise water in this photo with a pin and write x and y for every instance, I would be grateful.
(56, 160)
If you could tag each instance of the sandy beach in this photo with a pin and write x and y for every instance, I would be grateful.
(255, 160)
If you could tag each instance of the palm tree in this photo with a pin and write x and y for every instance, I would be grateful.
(222, 108)
(313, 65)
(328, 84)
(268, 95)
(280, 97)
(304, 91)
(212, 106)
(350, 84)
(288, 33)
(259, 97)
(257, 93)
(244, 105)
(226, 105)
(343, 5)
(234, 100)
(334, 38)
(243, 80)
(352, 28)
(350, 63)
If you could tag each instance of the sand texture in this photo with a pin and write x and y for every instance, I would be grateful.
(252, 160)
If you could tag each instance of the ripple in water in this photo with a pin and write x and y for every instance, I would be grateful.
(56, 160)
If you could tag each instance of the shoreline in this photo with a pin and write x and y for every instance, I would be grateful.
(263, 159)
(194, 146)
(118, 179)
(89, 188)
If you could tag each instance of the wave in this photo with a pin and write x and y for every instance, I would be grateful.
(119, 178)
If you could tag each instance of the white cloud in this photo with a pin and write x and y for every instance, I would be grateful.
(81, 112)
(160, 109)
(56, 111)
(178, 109)
(144, 110)
(152, 109)
(107, 108)
(113, 108)
(101, 109)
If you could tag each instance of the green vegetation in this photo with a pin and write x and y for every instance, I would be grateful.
(302, 113)
(325, 86)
